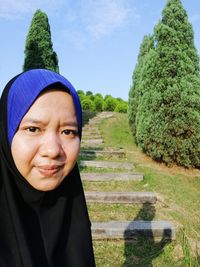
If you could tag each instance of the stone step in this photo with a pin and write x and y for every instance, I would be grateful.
(131, 230)
(90, 128)
(92, 141)
(111, 176)
(107, 164)
(103, 153)
(91, 135)
(105, 114)
(95, 121)
(121, 197)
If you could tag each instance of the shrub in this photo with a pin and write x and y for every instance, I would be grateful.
(88, 104)
(98, 102)
(99, 95)
(80, 92)
(121, 107)
(88, 93)
(110, 104)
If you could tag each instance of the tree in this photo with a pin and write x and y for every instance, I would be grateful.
(80, 92)
(138, 79)
(110, 103)
(39, 51)
(98, 101)
(99, 95)
(88, 93)
(168, 117)
(121, 107)
(88, 104)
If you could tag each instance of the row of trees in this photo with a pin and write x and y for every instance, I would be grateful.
(164, 100)
(98, 103)
(39, 53)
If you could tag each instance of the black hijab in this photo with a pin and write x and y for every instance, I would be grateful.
(39, 229)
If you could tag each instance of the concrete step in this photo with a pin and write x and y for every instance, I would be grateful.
(89, 133)
(103, 153)
(121, 197)
(92, 142)
(107, 164)
(105, 114)
(90, 128)
(85, 176)
(131, 230)
(90, 136)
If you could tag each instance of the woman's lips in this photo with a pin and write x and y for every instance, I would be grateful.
(49, 170)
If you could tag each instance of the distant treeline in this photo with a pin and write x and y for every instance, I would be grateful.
(98, 103)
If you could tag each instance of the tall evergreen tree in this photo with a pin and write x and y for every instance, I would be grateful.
(39, 51)
(168, 125)
(138, 80)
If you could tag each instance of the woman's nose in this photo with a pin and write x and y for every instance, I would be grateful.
(51, 146)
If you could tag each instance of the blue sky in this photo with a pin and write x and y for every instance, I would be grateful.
(97, 41)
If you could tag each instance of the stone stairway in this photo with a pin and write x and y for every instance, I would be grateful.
(116, 169)
(121, 197)
(103, 177)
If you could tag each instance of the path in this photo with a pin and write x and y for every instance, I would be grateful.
(116, 168)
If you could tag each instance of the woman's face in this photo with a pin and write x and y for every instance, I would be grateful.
(46, 145)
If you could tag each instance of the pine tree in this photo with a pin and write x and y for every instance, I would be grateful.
(39, 48)
(138, 80)
(168, 125)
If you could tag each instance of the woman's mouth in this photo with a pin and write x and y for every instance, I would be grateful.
(49, 170)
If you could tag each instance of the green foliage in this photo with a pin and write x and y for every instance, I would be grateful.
(121, 107)
(88, 104)
(89, 93)
(106, 96)
(98, 101)
(110, 104)
(99, 95)
(39, 51)
(139, 79)
(82, 97)
(167, 118)
(80, 92)
(91, 97)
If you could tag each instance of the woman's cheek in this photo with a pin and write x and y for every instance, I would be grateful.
(72, 149)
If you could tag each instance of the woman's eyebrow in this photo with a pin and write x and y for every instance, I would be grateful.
(72, 123)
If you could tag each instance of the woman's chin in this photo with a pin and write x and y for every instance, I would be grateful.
(46, 184)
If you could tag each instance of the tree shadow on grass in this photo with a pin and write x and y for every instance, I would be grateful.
(141, 250)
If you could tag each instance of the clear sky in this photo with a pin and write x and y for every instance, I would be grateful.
(97, 41)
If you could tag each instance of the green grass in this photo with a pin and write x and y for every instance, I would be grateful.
(113, 212)
(114, 130)
(179, 191)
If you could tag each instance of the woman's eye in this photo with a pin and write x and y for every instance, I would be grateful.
(32, 129)
(70, 132)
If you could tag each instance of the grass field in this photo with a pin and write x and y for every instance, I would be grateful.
(179, 202)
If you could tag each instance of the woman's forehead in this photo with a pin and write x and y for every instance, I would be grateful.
(52, 104)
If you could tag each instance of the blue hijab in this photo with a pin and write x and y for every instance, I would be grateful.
(27, 87)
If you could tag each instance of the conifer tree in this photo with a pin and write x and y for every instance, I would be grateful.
(138, 80)
(168, 125)
(39, 51)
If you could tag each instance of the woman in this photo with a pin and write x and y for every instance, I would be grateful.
(43, 215)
